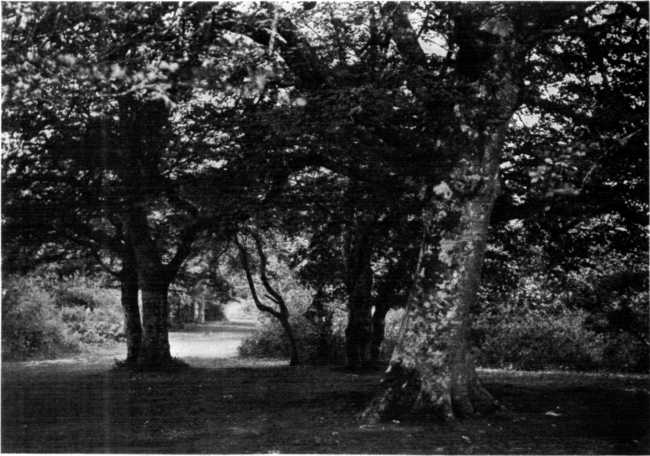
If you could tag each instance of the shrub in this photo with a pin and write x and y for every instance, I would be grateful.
(270, 341)
(92, 313)
(104, 324)
(32, 326)
(44, 318)
(624, 352)
(538, 339)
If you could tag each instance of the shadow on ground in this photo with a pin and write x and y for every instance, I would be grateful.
(241, 406)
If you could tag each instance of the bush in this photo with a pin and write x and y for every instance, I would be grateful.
(538, 339)
(92, 313)
(590, 321)
(624, 352)
(32, 325)
(270, 341)
(45, 318)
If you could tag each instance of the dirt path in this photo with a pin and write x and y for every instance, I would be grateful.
(198, 345)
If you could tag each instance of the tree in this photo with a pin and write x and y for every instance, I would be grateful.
(282, 312)
(93, 111)
(432, 369)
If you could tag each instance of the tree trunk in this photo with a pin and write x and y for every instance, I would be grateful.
(199, 311)
(154, 279)
(294, 359)
(154, 352)
(129, 298)
(324, 325)
(321, 318)
(431, 369)
(358, 331)
(378, 328)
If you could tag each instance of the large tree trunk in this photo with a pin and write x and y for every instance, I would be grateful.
(359, 277)
(431, 367)
(132, 324)
(154, 280)
(358, 331)
(155, 314)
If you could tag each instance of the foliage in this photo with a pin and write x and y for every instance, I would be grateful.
(330, 124)
(543, 321)
(44, 316)
(271, 342)
(32, 324)
(182, 305)
(92, 312)
(538, 340)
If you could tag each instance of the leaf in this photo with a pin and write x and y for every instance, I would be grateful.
(442, 189)
(497, 26)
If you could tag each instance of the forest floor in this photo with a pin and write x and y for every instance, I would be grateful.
(222, 404)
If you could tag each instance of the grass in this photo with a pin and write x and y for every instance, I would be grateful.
(242, 406)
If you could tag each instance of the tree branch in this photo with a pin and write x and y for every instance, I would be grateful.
(243, 255)
(275, 296)
(299, 56)
(184, 247)
(406, 39)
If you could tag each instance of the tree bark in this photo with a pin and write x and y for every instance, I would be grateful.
(378, 327)
(359, 279)
(321, 318)
(294, 359)
(129, 298)
(358, 331)
(431, 368)
(199, 311)
(154, 279)
(154, 352)
(324, 327)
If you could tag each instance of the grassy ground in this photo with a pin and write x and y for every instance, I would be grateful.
(239, 406)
